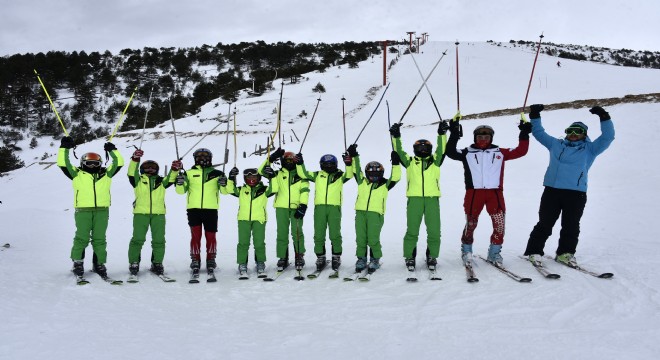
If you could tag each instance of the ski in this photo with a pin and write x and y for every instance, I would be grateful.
(210, 276)
(109, 280)
(334, 275)
(367, 276)
(354, 276)
(277, 274)
(469, 272)
(542, 270)
(133, 279)
(194, 276)
(299, 276)
(606, 275)
(80, 280)
(506, 271)
(316, 273)
(166, 278)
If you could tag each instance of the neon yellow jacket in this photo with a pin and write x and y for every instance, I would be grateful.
(252, 201)
(149, 190)
(90, 190)
(422, 174)
(292, 190)
(373, 196)
(329, 187)
(202, 187)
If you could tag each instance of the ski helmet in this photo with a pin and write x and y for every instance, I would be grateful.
(483, 136)
(374, 171)
(289, 160)
(576, 128)
(422, 148)
(90, 162)
(251, 177)
(203, 157)
(149, 167)
(328, 163)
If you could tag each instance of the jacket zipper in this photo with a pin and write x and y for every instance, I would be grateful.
(580, 178)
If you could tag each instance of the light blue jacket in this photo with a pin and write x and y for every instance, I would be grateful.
(570, 160)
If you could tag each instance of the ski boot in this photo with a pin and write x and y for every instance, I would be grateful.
(261, 267)
(431, 263)
(320, 262)
(300, 261)
(466, 253)
(336, 262)
(361, 264)
(535, 259)
(410, 264)
(374, 265)
(282, 264)
(157, 268)
(195, 265)
(567, 259)
(242, 269)
(134, 268)
(78, 268)
(210, 264)
(101, 270)
(494, 254)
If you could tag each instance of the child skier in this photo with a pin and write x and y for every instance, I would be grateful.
(370, 207)
(148, 210)
(327, 204)
(483, 163)
(203, 184)
(252, 202)
(423, 192)
(290, 206)
(91, 185)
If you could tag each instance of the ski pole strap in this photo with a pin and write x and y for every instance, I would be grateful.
(457, 117)
(523, 119)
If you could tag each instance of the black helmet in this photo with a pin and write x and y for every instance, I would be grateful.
(90, 162)
(149, 167)
(203, 157)
(483, 130)
(328, 163)
(374, 171)
(251, 176)
(422, 148)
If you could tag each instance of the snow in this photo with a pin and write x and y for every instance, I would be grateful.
(45, 315)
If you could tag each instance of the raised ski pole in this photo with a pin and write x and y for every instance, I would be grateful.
(343, 117)
(200, 140)
(122, 115)
(389, 124)
(51, 103)
(318, 101)
(226, 159)
(279, 117)
(458, 115)
(420, 88)
(426, 86)
(277, 126)
(372, 114)
(235, 144)
(176, 144)
(144, 127)
(531, 76)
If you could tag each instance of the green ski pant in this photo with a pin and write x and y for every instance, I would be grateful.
(285, 220)
(367, 232)
(91, 224)
(141, 224)
(257, 231)
(327, 217)
(429, 209)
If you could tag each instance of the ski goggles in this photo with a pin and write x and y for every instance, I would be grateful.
(575, 130)
(91, 163)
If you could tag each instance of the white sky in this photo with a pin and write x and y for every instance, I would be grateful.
(98, 25)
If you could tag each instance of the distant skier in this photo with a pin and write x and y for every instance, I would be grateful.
(565, 182)
(423, 192)
(370, 207)
(91, 188)
(558, 64)
(203, 184)
(148, 210)
(292, 195)
(483, 163)
(327, 204)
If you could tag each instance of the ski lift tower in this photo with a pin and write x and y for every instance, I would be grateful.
(418, 43)
(410, 43)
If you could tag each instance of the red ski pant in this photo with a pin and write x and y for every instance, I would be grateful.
(209, 219)
(474, 202)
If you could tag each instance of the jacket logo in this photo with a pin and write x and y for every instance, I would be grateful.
(498, 157)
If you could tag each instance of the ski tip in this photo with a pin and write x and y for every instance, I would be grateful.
(436, 278)
(268, 279)
(553, 276)
(472, 280)
(606, 275)
(299, 278)
(411, 279)
(525, 280)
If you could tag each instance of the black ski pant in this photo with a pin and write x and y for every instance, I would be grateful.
(570, 204)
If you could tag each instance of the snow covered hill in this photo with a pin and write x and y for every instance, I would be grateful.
(45, 315)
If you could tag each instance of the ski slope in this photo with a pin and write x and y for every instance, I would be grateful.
(45, 315)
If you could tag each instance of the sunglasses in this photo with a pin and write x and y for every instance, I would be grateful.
(574, 131)
(91, 163)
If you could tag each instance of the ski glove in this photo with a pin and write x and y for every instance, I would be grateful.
(395, 130)
(232, 174)
(222, 180)
(137, 154)
(300, 211)
(597, 110)
(443, 126)
(276, 155)
(396, 160)
(109, 147)
(180, 180)
(177, 165)
(67, 142)
(525, 130)
(535, 111)
(268, 171)
(348, 160)
(352, 150)
(454, 127)
(299, 159)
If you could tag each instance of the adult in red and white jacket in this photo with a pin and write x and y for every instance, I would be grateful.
(484, 178)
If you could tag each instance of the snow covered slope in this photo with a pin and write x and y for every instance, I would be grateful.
(45, 315)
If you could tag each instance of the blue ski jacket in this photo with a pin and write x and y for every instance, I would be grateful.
(570, 160)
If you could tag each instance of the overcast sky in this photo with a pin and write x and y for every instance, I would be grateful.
(99, 25)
